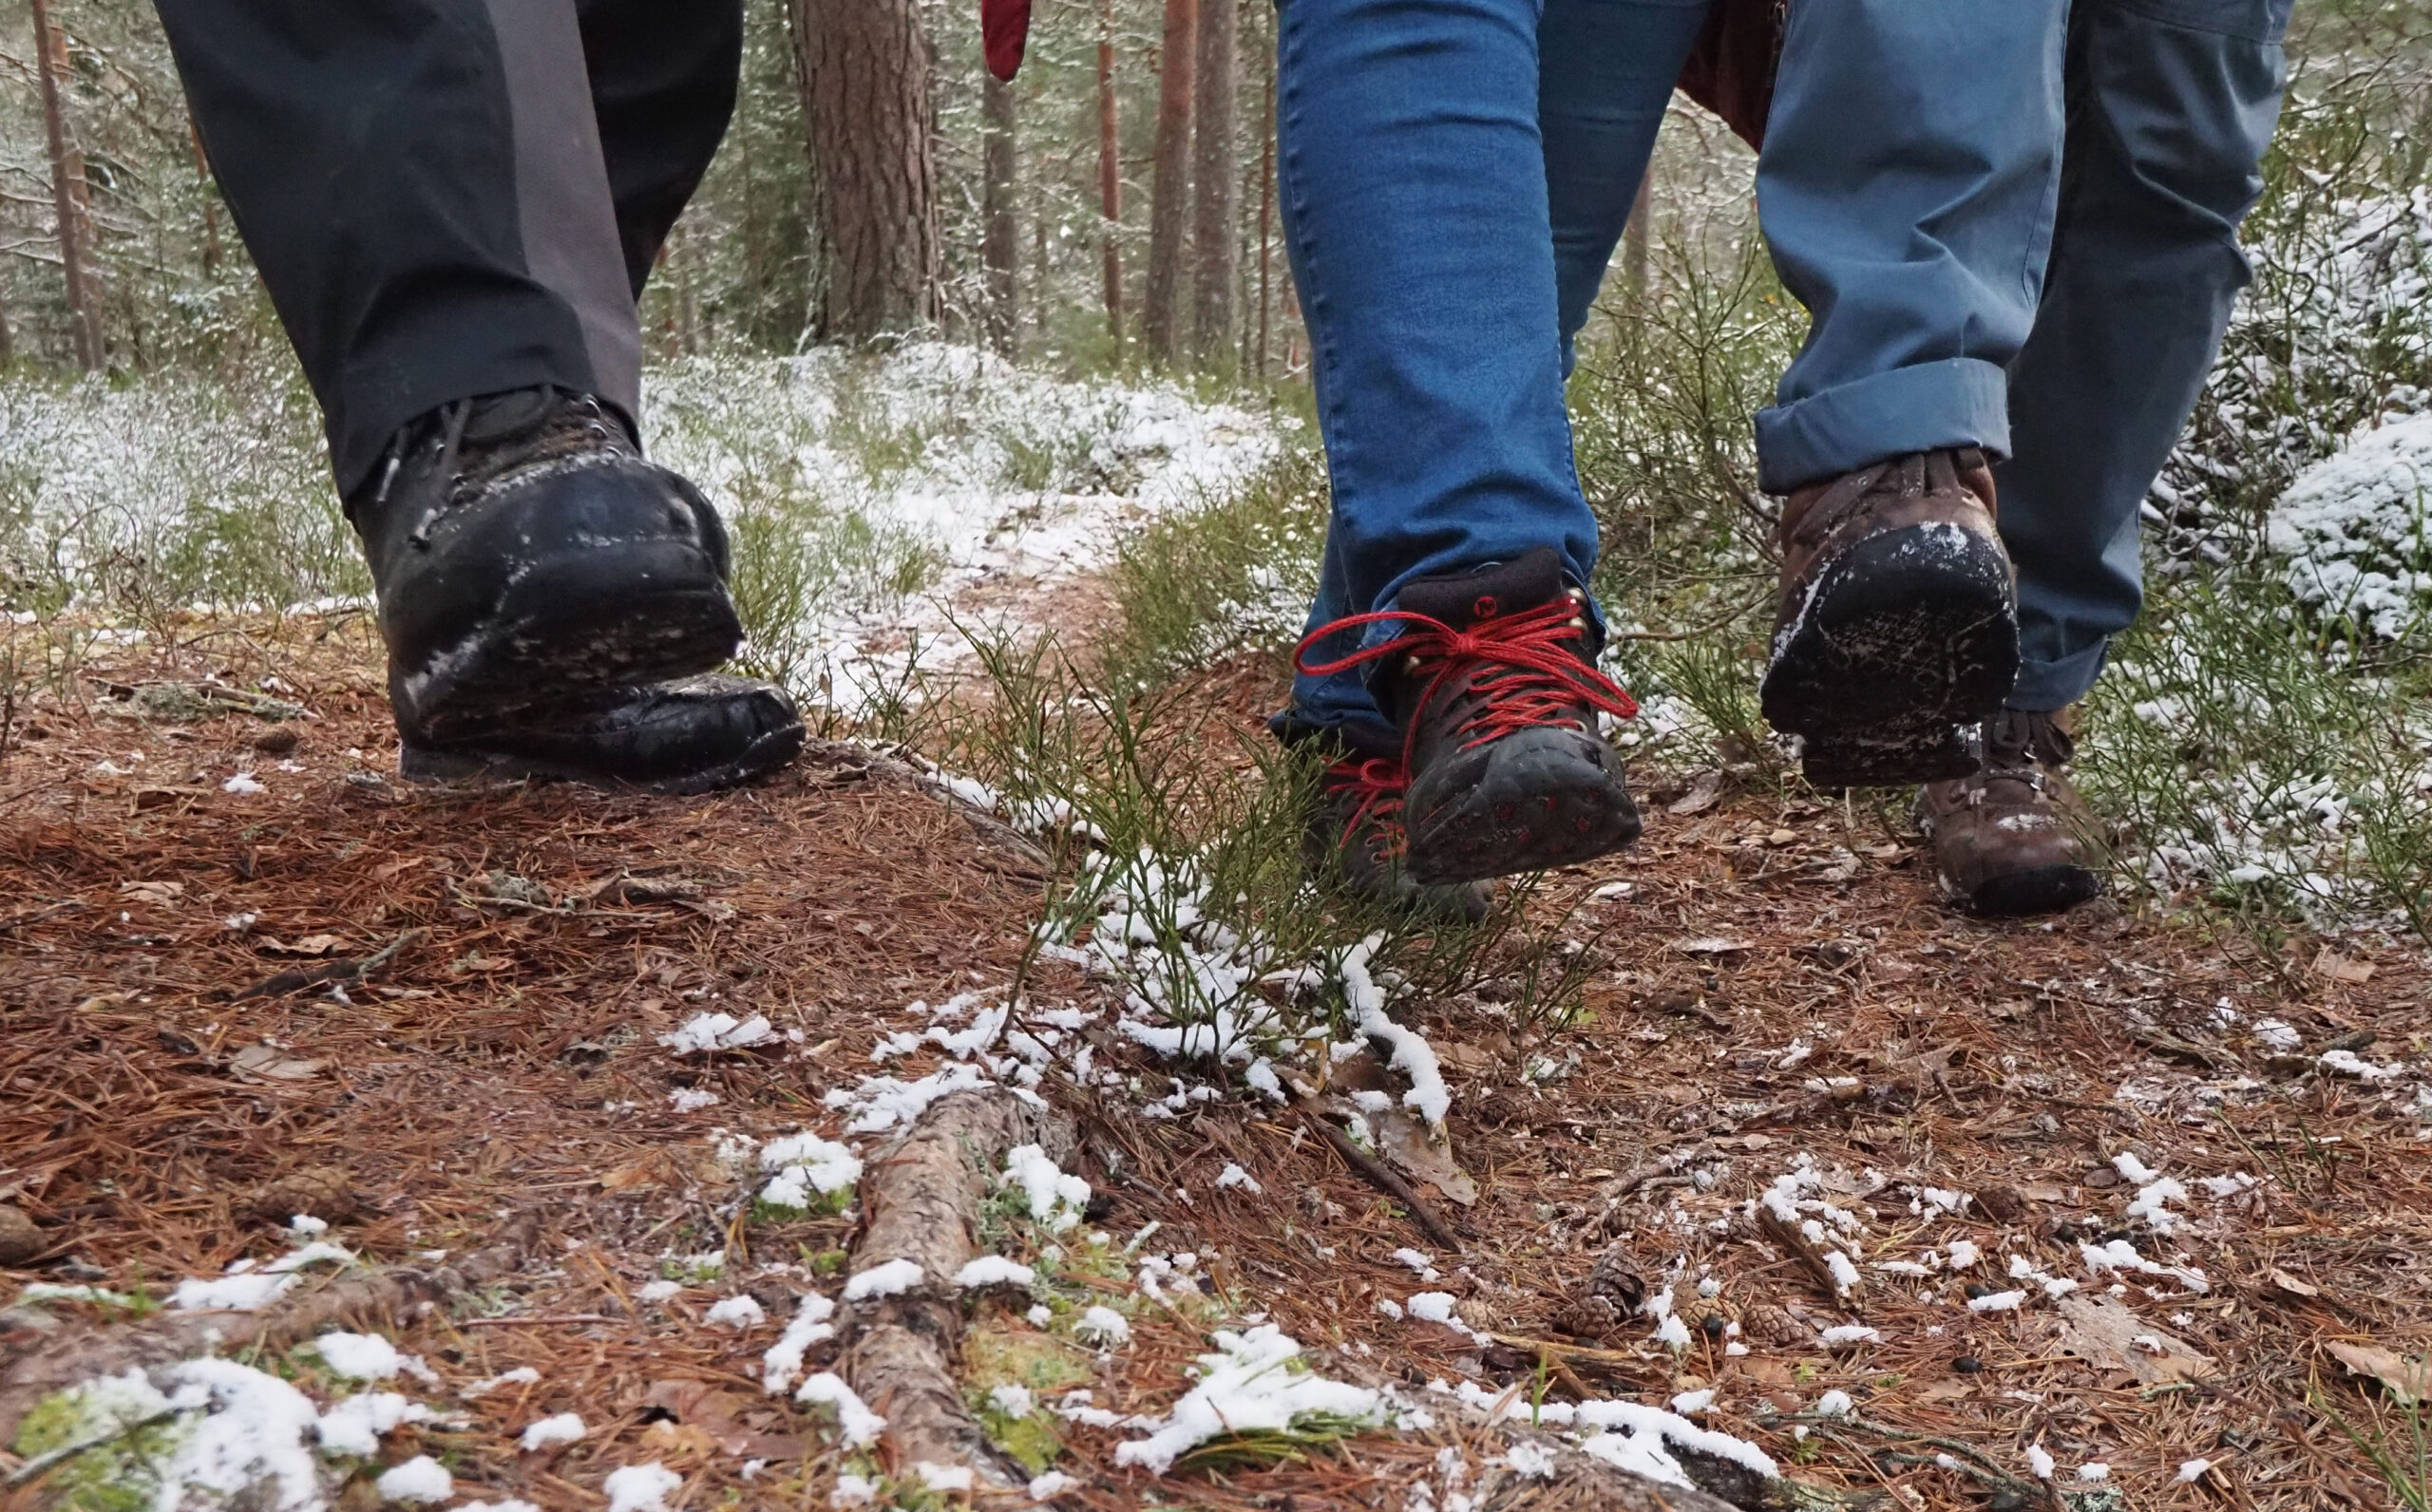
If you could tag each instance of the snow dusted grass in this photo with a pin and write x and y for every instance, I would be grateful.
(880, 501)
(179, 490)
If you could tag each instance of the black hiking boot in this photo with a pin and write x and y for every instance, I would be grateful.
(694, 735)
(1898, 621)
(1495, 685)
(1355, 837)
(533, 570)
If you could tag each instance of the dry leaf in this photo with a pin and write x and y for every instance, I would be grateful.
(2333, 967)
(722, 1416)
(2279, 1282)
(162, 893)
(2043, 1192)
(309, 945)
(1408, 1145)
(389, 869)
(263, 1063)
(1704, 794)
(1467, 1059)
(2104, 1334)
(1711, 945)
(2407, 1381)
(679, 1440)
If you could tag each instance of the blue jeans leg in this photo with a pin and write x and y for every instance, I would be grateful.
(2171, 103)
(1413, 195)
(1604, 76)
(1906, 188)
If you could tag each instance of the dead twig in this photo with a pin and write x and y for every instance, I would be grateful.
(1383, 1179)
(346, 970)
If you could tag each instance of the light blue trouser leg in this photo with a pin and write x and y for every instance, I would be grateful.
(2171, 105)
(1605, 77)
(1414, 197)
(1906, 186)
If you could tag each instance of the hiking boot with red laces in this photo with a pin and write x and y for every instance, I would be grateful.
(1898, 623)
(1355, 837)
(1494, 683)
(2013, 837)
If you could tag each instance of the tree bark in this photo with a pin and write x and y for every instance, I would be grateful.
(1266, 198)
(1634, 237)
(1000, 246)
(1169, 193)
(1110, 177)
(1216, 227)
(210, 212)
(66, 177)
(865, 69)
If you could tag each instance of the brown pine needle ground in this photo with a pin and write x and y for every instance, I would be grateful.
(444, 1007)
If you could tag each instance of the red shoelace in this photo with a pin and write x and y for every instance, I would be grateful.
(1378, 784)
(1533, 678)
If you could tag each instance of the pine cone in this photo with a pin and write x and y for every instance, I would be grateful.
(20, 1241)
(1613, 1292)
(325, 1192)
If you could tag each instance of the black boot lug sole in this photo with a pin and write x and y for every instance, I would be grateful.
(1905, 639)
(1532, 810)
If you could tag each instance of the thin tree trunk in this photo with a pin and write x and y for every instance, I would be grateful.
(66, 173)
(1266, 199)
(1216, 175)
(1169, 193)
(1001, 249)
(865, 69)
(1634, 237)
(210, 212)
(1110, 177)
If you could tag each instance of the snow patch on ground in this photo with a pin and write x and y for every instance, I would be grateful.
(1253, 1380)
(2355, 529)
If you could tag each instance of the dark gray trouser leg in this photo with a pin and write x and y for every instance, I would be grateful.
(2171, 105)
(662, 82)
(423, 186)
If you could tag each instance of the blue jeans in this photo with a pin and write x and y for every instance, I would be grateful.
(1913, 175)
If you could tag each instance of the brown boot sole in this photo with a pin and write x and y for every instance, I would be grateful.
(1909, 635)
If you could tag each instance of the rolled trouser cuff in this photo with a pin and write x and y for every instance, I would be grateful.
(2046, 686)
(1960, 401)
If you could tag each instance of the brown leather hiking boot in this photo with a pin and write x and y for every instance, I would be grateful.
(1493, 680)
(1898, 622)
(1355, 837)
(2014, 838)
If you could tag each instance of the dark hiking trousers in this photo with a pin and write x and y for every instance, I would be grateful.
(452, 197)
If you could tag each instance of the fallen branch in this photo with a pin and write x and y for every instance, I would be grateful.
(1810, 1258)
(922, 1198)
(346, 970)
(1383, 1177)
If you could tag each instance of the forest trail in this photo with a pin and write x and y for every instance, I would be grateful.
(1915, 1205)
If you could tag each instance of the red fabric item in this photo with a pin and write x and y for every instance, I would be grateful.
(1004, 27)
(1731, 70)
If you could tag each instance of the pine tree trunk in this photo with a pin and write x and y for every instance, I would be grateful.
(1216, 228)
(1265, 196)
(1000, 247)
(1110, 176)
(1169, 193)
(210, 212)
(67, 178)
(866, 86)
(1634, 237)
